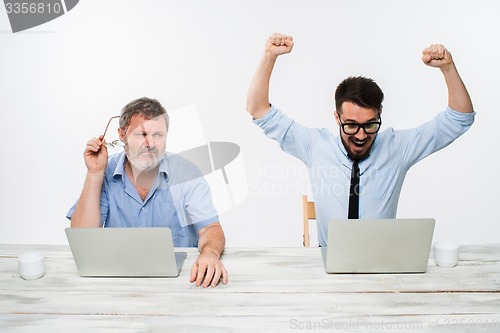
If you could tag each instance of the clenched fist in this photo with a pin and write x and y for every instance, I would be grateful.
(279, 44)
(436, 55)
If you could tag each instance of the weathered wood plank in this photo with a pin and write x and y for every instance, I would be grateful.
(221, 324)
(265, 270)
(215, 303)
(272, 289)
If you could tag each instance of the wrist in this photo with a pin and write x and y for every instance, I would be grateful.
(448, 68)
(270, 56)
(95, 175)
(210, 251)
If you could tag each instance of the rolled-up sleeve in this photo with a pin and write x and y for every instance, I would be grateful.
(199, 205)
(417, 143)
(293, 138)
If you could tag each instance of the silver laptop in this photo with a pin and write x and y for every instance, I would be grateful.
(125, 252)
(378, 246)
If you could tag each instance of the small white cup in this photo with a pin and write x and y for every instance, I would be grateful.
(446, 253)
(31, 265)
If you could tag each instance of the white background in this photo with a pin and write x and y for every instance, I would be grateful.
(61, 81)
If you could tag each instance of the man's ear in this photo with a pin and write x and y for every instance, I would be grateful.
(121, 134)
(337, 117)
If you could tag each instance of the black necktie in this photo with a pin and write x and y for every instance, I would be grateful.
(354, 192)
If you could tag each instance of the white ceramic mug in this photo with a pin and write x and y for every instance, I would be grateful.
(446, 253)
(31, 265)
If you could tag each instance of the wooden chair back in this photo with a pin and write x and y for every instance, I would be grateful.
(309, 213)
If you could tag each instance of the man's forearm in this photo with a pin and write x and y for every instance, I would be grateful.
(458, 96)
(258, 92)
(212, 240)
(88, 209)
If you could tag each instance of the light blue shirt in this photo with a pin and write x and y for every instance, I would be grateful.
(381, 174)
(179, 199)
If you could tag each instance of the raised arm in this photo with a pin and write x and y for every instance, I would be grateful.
(258, 92)
(88, 210)
(437, 55)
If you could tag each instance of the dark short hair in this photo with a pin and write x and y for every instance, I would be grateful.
(147, 107)
(361, 91)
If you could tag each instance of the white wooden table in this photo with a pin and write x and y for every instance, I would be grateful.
(270, 290)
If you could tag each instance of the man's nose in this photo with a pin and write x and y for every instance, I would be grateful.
(149, 140)
(361, 135)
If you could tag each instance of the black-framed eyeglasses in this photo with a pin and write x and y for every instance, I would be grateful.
(371, 127)
(114, 143)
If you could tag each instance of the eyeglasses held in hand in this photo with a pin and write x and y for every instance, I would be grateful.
(114, 143)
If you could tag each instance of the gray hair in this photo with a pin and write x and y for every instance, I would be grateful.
(147, 107)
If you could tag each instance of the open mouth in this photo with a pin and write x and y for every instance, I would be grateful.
(359, 143)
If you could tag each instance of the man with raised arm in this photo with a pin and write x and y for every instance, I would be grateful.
(360, 172)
